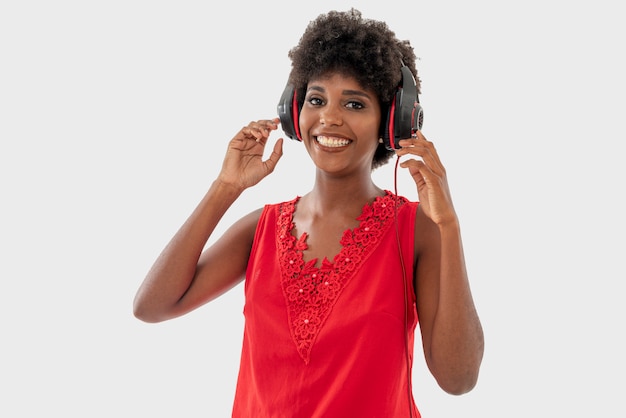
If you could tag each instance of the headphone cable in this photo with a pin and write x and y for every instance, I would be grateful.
(406, 301)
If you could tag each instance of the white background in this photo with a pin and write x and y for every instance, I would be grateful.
(114, 117)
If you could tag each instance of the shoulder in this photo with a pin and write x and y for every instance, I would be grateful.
(404, 204)
(426, 233)
(268, 212)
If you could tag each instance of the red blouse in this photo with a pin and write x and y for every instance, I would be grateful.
(333, 341)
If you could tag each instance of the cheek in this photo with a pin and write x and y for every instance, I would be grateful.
(371, 129)
(305, 119)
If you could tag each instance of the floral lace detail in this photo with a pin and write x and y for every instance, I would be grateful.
(311, 292)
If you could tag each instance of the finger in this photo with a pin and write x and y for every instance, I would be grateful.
(418, 170)
(423, 148)
(260, 130)
(431, 146)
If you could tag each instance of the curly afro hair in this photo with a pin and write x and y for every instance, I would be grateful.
(362, 48)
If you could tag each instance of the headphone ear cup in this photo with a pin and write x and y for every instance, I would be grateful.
(387, 126)
(418, 117)
(405, 115)
(289, 113)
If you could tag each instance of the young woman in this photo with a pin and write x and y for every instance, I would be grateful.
(335, 279)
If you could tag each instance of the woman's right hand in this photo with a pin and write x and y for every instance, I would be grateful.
(243, 165)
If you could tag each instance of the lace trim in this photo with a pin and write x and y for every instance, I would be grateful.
(311, 292)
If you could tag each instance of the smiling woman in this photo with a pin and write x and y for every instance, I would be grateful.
(337, 278)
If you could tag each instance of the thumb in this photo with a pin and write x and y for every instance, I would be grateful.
(277, 153)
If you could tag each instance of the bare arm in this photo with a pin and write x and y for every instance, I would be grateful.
(452, 334)
(184, 276)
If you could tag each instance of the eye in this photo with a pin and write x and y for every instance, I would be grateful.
(315, 101)
(353, 104)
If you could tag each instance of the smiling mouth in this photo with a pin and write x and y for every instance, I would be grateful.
(332, 142)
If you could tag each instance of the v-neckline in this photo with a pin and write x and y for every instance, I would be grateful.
(311, 292)
(301, 241)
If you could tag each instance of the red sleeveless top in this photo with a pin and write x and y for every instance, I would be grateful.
(334, 341)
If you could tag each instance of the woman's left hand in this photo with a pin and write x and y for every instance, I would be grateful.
(429, 175)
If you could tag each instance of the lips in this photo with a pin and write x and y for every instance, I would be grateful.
(332, 142)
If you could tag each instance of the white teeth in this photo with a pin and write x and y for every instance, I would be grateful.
(332, 142)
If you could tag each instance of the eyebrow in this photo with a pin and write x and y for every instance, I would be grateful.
(344, 92)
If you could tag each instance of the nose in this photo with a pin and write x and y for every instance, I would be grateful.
(330, 115)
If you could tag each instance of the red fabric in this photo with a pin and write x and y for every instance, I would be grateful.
(329, 341)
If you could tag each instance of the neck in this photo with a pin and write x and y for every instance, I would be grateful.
(341, 195)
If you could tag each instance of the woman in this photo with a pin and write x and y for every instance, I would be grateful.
(335, 279)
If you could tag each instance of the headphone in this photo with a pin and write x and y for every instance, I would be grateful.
(403, 115)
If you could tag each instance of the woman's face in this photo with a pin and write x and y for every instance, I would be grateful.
(339, 123)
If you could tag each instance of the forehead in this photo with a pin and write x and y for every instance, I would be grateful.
(338, 81)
